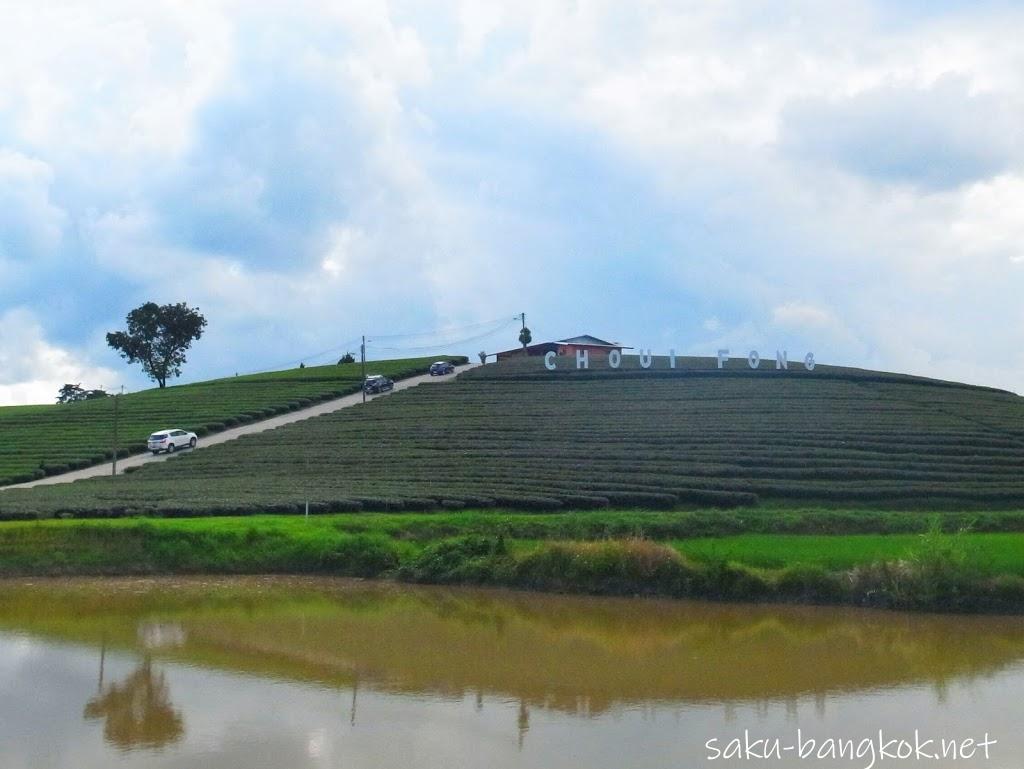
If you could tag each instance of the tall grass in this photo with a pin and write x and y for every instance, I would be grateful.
(940, 571)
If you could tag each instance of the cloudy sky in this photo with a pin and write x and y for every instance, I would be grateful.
(846, 177)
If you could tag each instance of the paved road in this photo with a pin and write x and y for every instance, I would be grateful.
(326, 407)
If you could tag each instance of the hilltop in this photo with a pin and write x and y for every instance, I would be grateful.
(514, 435)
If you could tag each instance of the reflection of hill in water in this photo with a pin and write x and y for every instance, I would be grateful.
(571, 653)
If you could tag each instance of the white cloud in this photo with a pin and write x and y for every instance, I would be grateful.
(293, 171)
(110, 78)
(32, 369)
(802, 315)
(988, 221)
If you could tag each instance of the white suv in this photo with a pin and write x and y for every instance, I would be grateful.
(170, 441)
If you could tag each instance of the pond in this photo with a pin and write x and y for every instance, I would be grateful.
(246, 673)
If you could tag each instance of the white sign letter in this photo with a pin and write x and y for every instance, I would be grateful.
(809, 361)
(645, 358)
(753, 359)
(614, 358)
(671, 358)
(780, 360)
(582, 359)
(723, 356)
(549, 360)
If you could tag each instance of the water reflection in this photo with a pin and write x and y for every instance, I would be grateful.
(138, 712)
(384, 665)
(577, 654)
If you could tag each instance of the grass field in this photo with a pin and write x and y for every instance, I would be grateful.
(46, 440)
(987, 553)
(512, 435)
(932, 570)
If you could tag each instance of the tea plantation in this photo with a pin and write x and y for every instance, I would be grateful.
(516, 436)
(45, 440)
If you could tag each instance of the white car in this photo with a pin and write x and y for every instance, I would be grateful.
(171, 440)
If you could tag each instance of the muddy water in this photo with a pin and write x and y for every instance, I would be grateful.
(280, 672)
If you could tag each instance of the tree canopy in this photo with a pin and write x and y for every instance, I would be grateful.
(72, 393)
(157, 337)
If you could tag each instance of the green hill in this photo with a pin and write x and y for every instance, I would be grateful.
(46, 440)
(513, 435)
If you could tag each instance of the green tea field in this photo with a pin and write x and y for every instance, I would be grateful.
(516, 436)
(47, 440)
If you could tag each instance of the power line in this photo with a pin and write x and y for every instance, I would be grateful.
(278, 366)
(496, 325)
(447, 343)
(445, 330)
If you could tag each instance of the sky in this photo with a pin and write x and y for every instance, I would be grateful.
(842, 177)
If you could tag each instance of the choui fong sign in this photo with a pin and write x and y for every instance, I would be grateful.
(614, 359)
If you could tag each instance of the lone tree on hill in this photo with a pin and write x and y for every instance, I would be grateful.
(157, 337)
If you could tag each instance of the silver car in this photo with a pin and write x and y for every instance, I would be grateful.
(171, 440)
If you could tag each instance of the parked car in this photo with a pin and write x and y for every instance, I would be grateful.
(375, 383)
(171, 440)
(441, 367)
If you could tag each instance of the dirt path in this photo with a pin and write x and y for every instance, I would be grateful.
(326, 407)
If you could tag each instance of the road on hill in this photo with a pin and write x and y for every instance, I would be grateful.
(326, 407)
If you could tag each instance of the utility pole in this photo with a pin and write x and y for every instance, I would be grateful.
(362, 359)
(113, 467)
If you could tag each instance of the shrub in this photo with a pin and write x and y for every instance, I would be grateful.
(343, 506)
(649, 499)
(809, 583)
(361, 555)
(419, 503)
(618, 567)
(583, 502)
(1006, 591)
(469, 559)
(528, 502)
(381, 504)
(733, 581)
(714, 498)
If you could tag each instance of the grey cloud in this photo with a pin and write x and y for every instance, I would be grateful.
(30, 223)
(934, 138)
